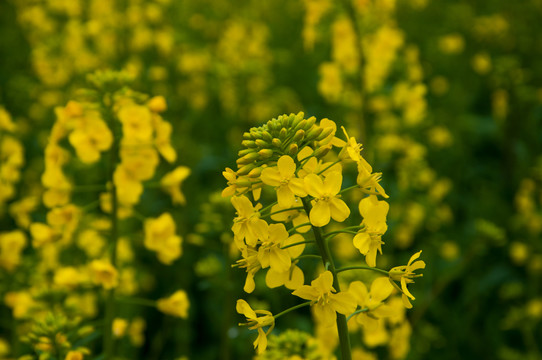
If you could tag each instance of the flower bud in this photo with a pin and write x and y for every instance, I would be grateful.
(277, 142)
(265, 153)
(249, 143)
(299, 135)
(292, 150)
(313, 133)
(261, 143)
(321, 151)
(245, 169)
(282, 134)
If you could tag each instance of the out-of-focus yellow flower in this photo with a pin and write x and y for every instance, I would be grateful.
(330, 85)
(90, 137)
(42, 234)
(4, 345)
(257, 322)
(160, 237)
(326, 303)
(176, 305)
(67, 277)
(372, 300)
(104, 274)
(21, 302)
(451, 44)
(11, 245)
(119, 327)
(481, 63)
(157, 104)
(136, 123)
(6, 123)
(172, 182)
(20, 210)
(136, 331)
(129, 189)
(74, 355)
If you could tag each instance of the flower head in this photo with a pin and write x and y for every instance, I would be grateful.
(176, 305)
(256, 322)
(405, 274)
(326, 301)
(327, 203)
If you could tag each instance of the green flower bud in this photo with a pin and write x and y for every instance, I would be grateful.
(277, 142)
(292, 150)
(247, 136)
(249, 143)
(313, 133)
(262, 144)
(265, 153)
(325, 133)
(267, 136)
(283, 133)
(299, 135)
(254, 173)
(245, 169)
(244, 152)
(321, 151)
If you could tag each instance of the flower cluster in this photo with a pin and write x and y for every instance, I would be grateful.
(291, 162)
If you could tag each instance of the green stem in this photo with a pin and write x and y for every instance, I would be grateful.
(298, 226)
(342, 326)
(355, 313)
(298, 243)
(347, 230)
(108, 340)
(292, 309)
(329, 166)
(349, 188)
(136, 301)
(282, 210)
(309, 256)
(362, 268)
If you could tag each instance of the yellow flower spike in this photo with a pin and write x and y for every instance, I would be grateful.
(270, 253)
(282, 177)
(368, 241)
(247, 225)
(172, 181)
(405, 274)
(326, 302)
(175, 305)
(327, 203)
(255, 322)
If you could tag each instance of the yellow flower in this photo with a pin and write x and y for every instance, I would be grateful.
(74, 355)
(21, 302)
(172, 181)
(129, 189)
(160, 237)
(42, 234)
(326, 303)
(157, 104)
(11, 245)
(293, 278)
(90, 137)
(176, 305)
(136, 331)
(257, 322)
(327, 203)
(136, 123)
(139, 161)
(162, 140)
(283, 178)
(251, 263)
(119, 327)
(369, 241)
(405, 274)
(104, 274)
(372, 300)
(247, 225)
(67, 277)
(271, 254)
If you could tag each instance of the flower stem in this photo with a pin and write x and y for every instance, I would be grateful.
(292, 309)
(362, 268)
(356, 312)
(342, 326)
(108, 341)
(281, 211)
(298, 243)
(298, 226)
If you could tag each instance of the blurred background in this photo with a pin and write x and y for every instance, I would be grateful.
(446, 97)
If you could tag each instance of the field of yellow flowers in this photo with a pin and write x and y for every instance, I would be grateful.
(287, 179)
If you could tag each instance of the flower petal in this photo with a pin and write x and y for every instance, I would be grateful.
(339, 210)
(320, 214)
(286, 166)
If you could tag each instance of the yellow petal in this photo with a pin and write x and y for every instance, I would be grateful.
(314, 185)
(320, 214)
(297, 186)
(360, 292)
(333, 183)
(271, 176)
(325, 314)
(279, 259)
(285, 196)
(275, 278)
(381, 289)
(286, 166)
(244, 308)
(339, 209)
(296, 250)
(414, 257)
(343, 302)
(306, 292)
(296, 278)
(323, 283)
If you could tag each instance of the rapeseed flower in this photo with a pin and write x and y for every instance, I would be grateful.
(369, 241)
(283, 178)
(325, 301)
(175, 305)
(257, 322)
(326, 200)
(247, 225)
(405, 274)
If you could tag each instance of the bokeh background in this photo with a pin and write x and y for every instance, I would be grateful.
(446, 97)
